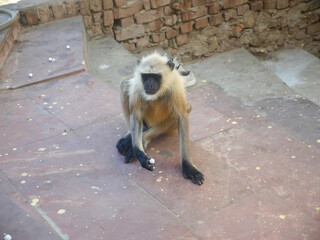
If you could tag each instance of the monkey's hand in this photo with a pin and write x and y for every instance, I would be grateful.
(144, 160)
(190, 172)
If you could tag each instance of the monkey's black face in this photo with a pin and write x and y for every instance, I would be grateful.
(151, 82)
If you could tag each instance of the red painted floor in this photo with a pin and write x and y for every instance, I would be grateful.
(61, 176)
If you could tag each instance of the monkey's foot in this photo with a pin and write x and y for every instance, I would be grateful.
(190, 172)
(124, 145)
(130, 156)
(145, 160)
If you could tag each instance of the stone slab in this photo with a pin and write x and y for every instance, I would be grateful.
(300, 70)
(23, 121)
(18, 223)
(233, 72)
(35, 45)
(268, 155)
(299, 116)
(83, 196)
(77, 100)
(262, 215)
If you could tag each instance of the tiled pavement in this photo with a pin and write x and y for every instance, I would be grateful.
(62, 178)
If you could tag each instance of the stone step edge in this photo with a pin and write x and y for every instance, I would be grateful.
(7, 42)
(48, 79)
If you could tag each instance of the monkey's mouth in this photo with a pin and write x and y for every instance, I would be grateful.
(151, 92)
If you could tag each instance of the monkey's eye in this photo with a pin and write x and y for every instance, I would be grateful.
(148, 76)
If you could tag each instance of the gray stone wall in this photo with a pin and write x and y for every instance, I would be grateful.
(194, 29)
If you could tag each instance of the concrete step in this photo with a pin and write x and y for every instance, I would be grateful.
(300, 70)
(241, 76)
(245, 78)
(109, 61)
(34, 47)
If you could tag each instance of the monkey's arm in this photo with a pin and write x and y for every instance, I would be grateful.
(188, 169)
(136, 127)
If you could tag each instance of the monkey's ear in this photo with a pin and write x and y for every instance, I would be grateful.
(138, 62)
(171, 64)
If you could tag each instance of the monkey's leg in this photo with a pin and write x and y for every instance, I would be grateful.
(165, 126)
(188, 169)
(124, 96)
(136, 133)
(124, 145)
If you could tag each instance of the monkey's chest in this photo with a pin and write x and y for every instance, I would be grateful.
(156, 113)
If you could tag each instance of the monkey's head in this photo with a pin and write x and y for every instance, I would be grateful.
(153, 71)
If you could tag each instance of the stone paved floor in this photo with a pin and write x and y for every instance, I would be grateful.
(62, 178)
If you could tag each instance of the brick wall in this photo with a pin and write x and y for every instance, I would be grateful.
(196, 28)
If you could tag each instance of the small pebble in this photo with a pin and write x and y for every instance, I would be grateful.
(30, 75)
(152, 161)
(67, 47)
(7, 237)
(50, 59)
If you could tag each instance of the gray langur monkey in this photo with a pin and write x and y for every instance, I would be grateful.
(154, 103)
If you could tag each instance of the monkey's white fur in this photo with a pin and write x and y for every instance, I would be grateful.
(155, 63)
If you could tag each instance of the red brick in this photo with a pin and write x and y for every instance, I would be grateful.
(256, 6)
(97, 17)
(107, 4)
(119, 3)
(269, 4)
(128, 11)
(149, 16)
(167, 11)
(159, 3)
(294, 3)
(87, 21)
(170, 20)
(214, 8)
(194, 13)
(71, 8)
(143, 42)
(158, 37)
(281, 4)
(242, 9)
(233, 3)
(314, 28)
(156, 25)
(132, 32)
(201, 22)
(186, 27)
(129, 46)
(146, 4)
(171, 33)
(95, 5)
(155, 38)
(216, 19)
(230, 15)
(84, 7)
(95, 30)
(182, 5)
(182, 39)
(126, 22)
(108, 18)
(44, 13)
(196, 3)
(58, 11)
